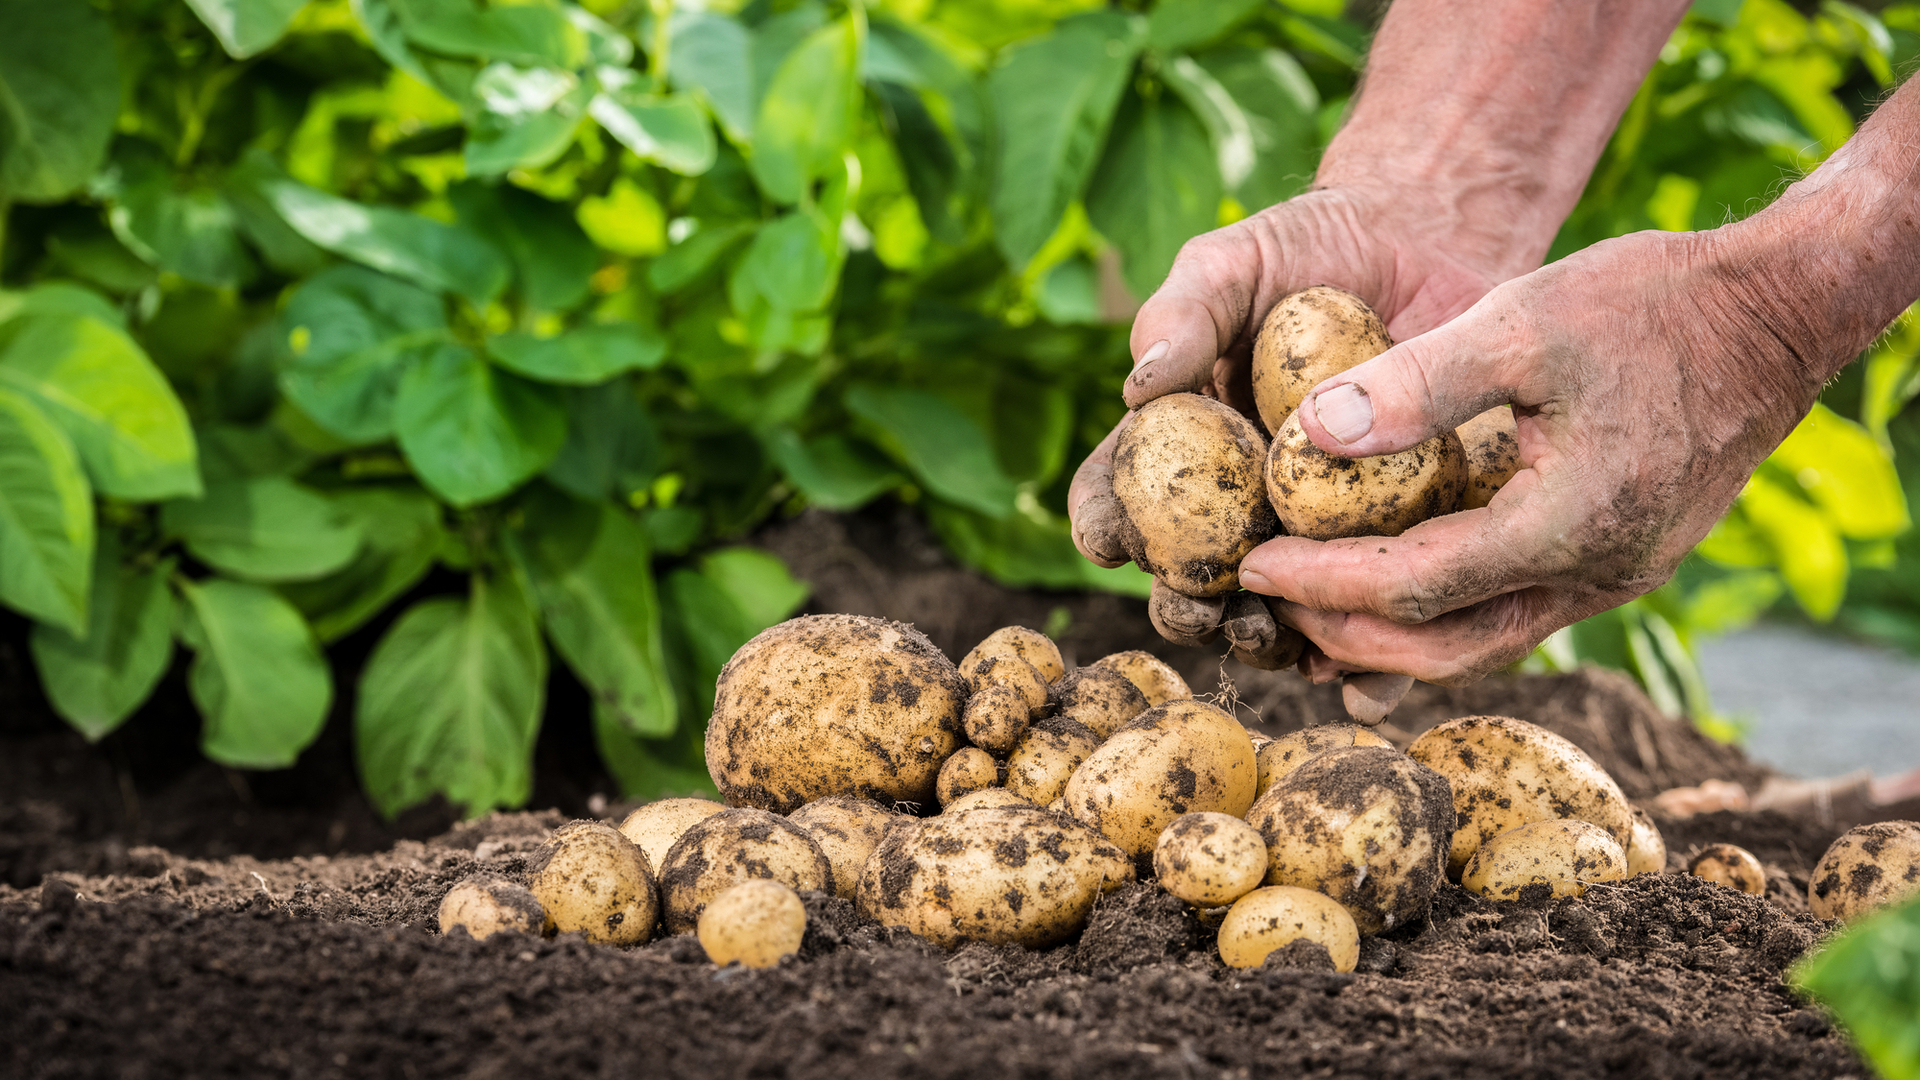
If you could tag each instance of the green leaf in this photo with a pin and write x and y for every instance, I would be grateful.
(653, 768)
(713, 54)
(279, 245)
(264, 529)
(59, 97)
(1842, 468)
(790, 265)
(527, 34)
(806, 118)
(246, 27)
(1030, 549)
(612, 448)
(581, 356)
(450, 701)
(757, 582)
(124, 420)
(1731, 603)
(189, 230)
(693, 256)
(46, 518)
(1176, 25)
(96, 682)
(60, 298)
(832, 471)
(589, 566)
(473, 433)
(400, 535)
(258, 677)
(943, 447)
(1228, 126)
(1869, 978)
(1156, 189)
(528, 118)
(355, 333)
(1280, 105)
(669, 130)
(1808, 549)
(553, 260)
(938, 115)
(1055, 97)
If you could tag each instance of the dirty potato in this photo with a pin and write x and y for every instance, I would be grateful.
(1209, 859)
(1039, 767)
(754, 923)
(590, 878)
(1101, 698)
(1492, 444)
(847, 828)
(1020, 643)
(737, 845)
(1306, 339)
(1290, 751)
(1726, 864)
(1869, 867)
(654, 827)
(1155, 678)
(1646, 848)
(996, 717)
(487, 904)
(970, 769)
(983, 799)
(1175, 759)
(1545, 859)
(1276, 916)
(1323, 497)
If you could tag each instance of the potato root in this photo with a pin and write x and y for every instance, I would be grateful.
(1323, 497)
(1278, 915)
(487, 904)
(1869, 867)
(1306, 339)
(1188, 471)
(754, 923)
(737, 845)
(1209, 859)
(1175, 759)
(847, 828)
(1734, 867)
(1545, 859)
(591, 879)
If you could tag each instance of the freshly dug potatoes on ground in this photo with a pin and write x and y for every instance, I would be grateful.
(1306, 339)
(1006, 876)
(970, 769)
(1188, 473)
(1004, 670)
(1175, 759)
(1273, 917)
(589, 877)
(847, 828)
(1323, 497)
(1506, 772)
(1492, 443)
(833, 705)
(1039, 767)
(1020, 643)
(655, 826)
(1154, 677)
(755, 923)
(1102, 699)
(1869, 867)
(1734, 867)
(1545, 859)
(737, 845)
(1209, 859)
(1290, 751)
(487, 904)
(983, 799)
(1367, 826)
(996, 718)
(1646, 848)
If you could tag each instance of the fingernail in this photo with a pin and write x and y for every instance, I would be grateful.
(1345, 412)
(1154, 352)
(1255, 581)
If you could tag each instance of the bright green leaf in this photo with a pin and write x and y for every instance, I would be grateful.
(832, 471)
(627, 220)
(713, 54)
(790, 265)
(1228, 125)
(188, 230)
(1156, 189)
(806, 118)
(59, 96)
(400, 533)
(942, 446)
(757, 582)
(354, 333)
(692, 257)
(262, 687)
(1842, 468)
(245, 27)
(264, 529)
(553, 260)
(653, 768)
(583, 355)
(1869, 978)
(46, 518)
(60, 298)
(669, 130)
(528, 34)
(1281, 106)
(1029, 549)
(96, 682)
(472, 432)
(527, 120)
(1811, 556)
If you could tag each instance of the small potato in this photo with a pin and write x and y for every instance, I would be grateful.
(1020, 643)
(1294, 749)
(1188, 472)
(487, 904)
(1039, 767)
(1869, 867)
(1545, 859)
(983, 799)
(1367, 826)
(1102, 699)
(1492, 443)
(755, 923)
(589, 877)
(996, 718)
(1306, 339)
(1155, 678)
(1013, 673)
(1175, 759)
(1209, 859)
(1270, 918)
(1734, 867)
(970, 769)
(847, 828)
(1646, 848)
(732, 846)
(1323, 497)
(655, 826)
(1507, 772)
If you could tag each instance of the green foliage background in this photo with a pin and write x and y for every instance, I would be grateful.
(307, 298)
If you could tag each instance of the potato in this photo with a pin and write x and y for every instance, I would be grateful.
(1175, 759)
(1323, 497)
(1492, 444)
(1270, 918)
(1020, 643)
(981, 800)
(1155, 678)
(1734, 867)
(833, 705)
(1507, 772)
(1005, 670)
(1039, 767)
(487, 904)
(732, 846)
(970, 769)
(1368, 826)
(1294, 749)
(1101, 698)
(1646, 848)
(1209, 859)
(1869, 867)
(1545, 859)
(1306, 339)
(847, 828)
(1006, 876)
(996, 718)
(655, 826)
(590, 878)
(1188, 472)
(755, 923)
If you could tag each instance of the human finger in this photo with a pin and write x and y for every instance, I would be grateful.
(1194, 317)
(1369, 696)
(1454, 649)
(1183, 619)
(1099, 522)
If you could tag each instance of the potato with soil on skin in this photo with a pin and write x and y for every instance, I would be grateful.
(1367, 826)
(1646, 848)
(1175, 759)
(1323, 497)
(1545, 859)
(983, 799)
(996, 718)
(733, 846)
(1020, 643)
(590, 878)
(1187, 470)
(487, 904)
(970, 769)
(1290, 751)
(1039, 767)
(1869, 867)
(1492, 444)
(1155, 678)
(847, 828)
(1273, 917)
(654, 827)
(1100, 698)
(1506, 772)
(1734, 867)
(1209, 859)
(1307, 338)
(1004, 876)
(833, 705)
(755, 923)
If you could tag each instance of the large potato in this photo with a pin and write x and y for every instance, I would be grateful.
(983, 799)
(1869, 867)
(1020, 643)
(1323, 497)
(847, 828)
(486, 904)
(590, 878)
(1039, 767)
(1209, 859)
(1306, 339)
(1368, 826)
(833, 705)
(1188, 473)
(1506, 772)
(1101, 698)
(1545, 859)
(1290, 751)
(1492, 443)
(1278, 915)
(731, 847)
(655, 826)
(1175, 759)
(1154, 676)
(1006, 876)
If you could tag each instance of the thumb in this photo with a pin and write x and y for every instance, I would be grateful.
(1411, 392)
(1194, 317)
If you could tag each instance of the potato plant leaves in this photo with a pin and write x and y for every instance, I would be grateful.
(1870, 978)
(670, 129)
(471, 431)
(46, 518)
(581, 357)
(712, 55)
(943, 447)
(257, 675)
(265, 528)
(806, 117)
(59, 96)
(1149, 197)
(400, 535)
(95, 682)
(246, 27)
(354, 333)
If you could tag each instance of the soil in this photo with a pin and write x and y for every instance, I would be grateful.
(160, 917)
